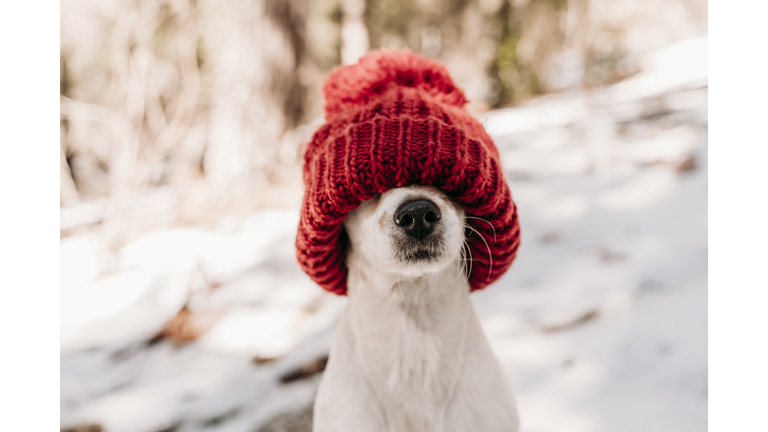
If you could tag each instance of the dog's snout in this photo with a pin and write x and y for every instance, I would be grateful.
(418, 217)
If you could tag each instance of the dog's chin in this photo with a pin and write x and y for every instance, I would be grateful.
(421, 263)
(418, 261)
(422, 256)
(413, 256)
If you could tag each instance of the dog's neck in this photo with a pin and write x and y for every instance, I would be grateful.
(409, 333)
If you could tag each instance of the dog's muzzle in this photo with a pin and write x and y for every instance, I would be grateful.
(421, 235)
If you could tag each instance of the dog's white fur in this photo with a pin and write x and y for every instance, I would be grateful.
(409, 353)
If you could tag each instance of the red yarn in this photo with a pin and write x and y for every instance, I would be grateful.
(393, 119)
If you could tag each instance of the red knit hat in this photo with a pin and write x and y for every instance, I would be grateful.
(394, 119)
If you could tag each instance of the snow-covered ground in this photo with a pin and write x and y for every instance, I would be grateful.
(601, 323)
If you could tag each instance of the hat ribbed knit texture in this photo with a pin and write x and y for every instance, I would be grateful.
(394, 119)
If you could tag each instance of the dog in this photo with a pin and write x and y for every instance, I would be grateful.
(409, 353)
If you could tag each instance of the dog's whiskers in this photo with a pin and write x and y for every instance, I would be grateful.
(468, 261)
(490, 255)
(462, 262)
(484, 220)
(471, 258)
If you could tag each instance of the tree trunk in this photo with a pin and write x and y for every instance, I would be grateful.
(258, 49)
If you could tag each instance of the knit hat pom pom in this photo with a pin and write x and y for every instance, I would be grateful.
(351, 87)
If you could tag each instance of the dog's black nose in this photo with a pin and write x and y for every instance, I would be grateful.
(418, 218)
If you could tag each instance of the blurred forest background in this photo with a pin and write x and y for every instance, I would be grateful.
(176, 111)
(182, 124)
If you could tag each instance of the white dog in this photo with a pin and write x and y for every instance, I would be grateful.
(409, 353)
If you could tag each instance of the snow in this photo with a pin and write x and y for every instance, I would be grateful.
(600, 324)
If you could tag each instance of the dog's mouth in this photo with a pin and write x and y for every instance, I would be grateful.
(422, 256)
(427, 250)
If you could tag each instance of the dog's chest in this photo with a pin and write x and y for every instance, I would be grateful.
(412, 357)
